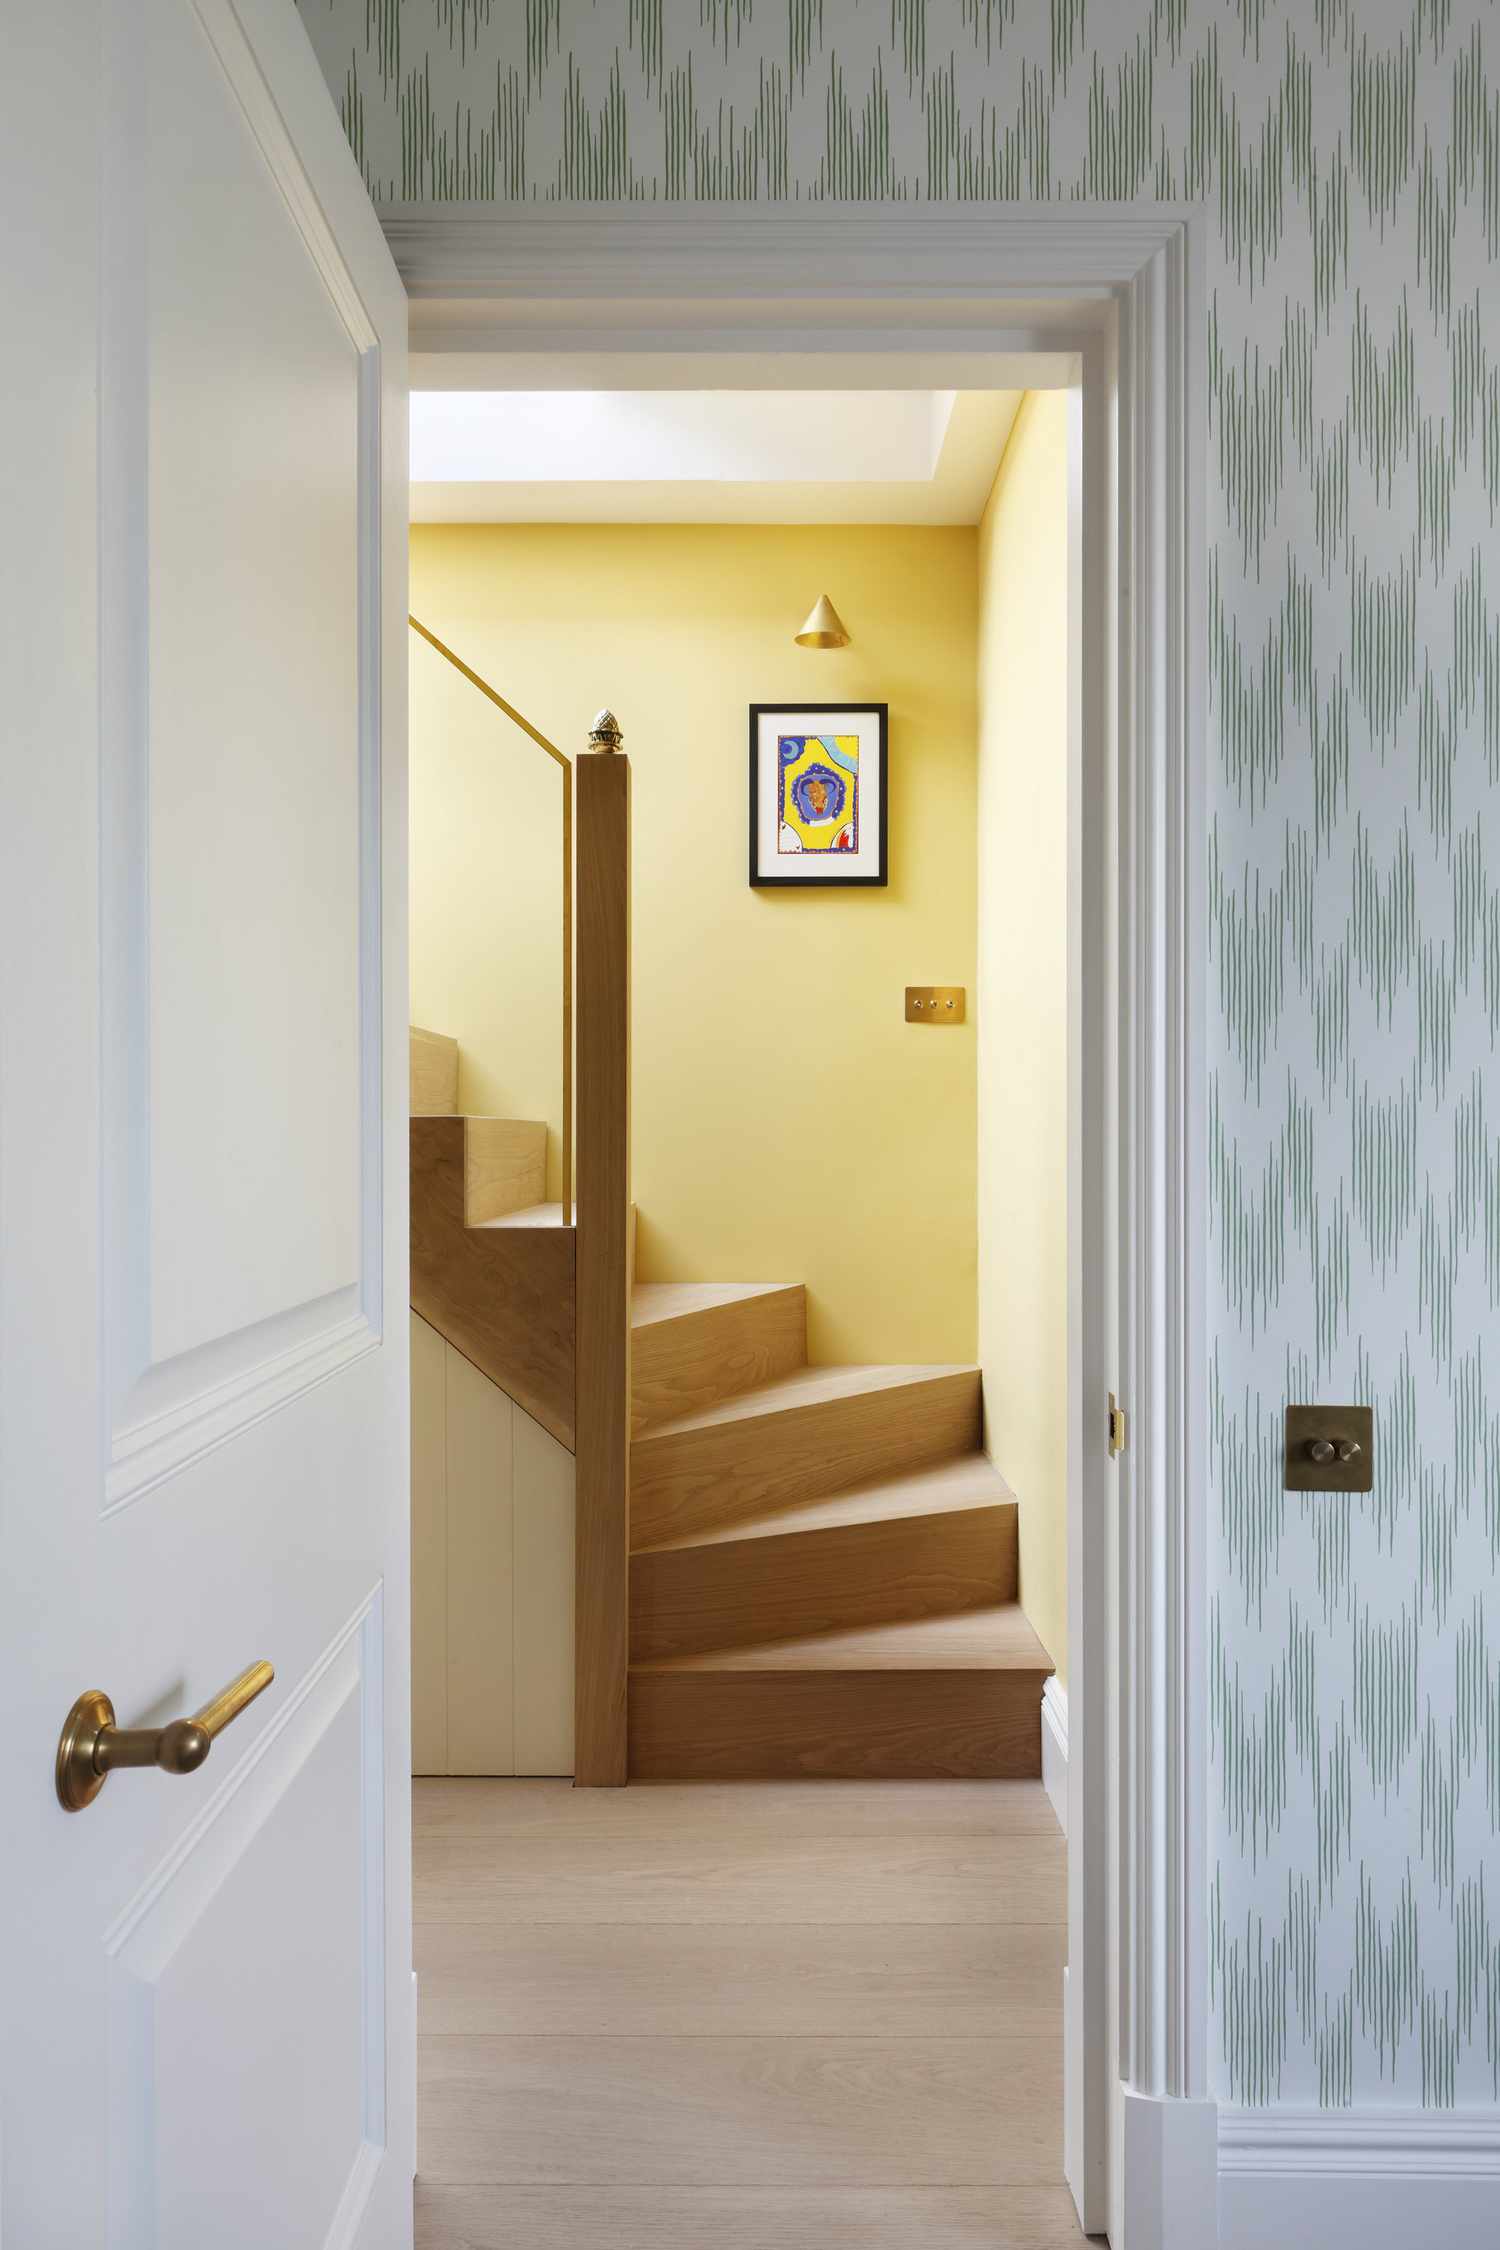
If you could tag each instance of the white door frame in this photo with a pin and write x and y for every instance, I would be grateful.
(1115, 300)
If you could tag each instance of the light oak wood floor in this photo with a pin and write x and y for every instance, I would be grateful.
(740, 2016)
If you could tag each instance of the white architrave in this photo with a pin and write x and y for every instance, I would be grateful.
(1166, 2190)
(1114, 299)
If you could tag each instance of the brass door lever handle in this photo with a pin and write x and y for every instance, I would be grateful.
(91, 1747)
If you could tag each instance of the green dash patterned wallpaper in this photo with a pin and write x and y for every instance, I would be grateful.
(1348, 154)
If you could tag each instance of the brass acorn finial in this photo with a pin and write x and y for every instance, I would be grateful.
(605, 733)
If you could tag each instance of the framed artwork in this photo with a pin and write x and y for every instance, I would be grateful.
(817, 793)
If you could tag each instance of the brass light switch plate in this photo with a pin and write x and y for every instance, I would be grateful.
(934, 1003)
(1330, 1449)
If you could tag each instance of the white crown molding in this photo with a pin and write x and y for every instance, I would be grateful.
(726, 250)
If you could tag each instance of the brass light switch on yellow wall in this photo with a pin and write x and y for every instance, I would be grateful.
(1330, 1449)
(934, 1003)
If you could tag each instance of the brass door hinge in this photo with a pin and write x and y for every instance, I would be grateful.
(1119, 1436)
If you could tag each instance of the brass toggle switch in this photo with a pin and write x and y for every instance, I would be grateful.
(1329, 1449)
(935, 1003)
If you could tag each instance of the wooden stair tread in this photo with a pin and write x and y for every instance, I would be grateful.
(530, 1215)
(996, 1639)
(808, 1386)
(538, 1215)
(948, 1488)
(653, 1301)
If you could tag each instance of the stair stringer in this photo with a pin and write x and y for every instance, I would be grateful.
(502, 1293)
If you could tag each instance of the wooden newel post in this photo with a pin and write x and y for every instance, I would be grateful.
(603, 1270)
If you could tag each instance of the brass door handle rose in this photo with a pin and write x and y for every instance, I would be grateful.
(91, 1747)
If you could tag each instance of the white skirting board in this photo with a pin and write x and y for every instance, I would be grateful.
(1168, 2190)
(1371, 2179)
(1055, 1749)
(1300, 2179)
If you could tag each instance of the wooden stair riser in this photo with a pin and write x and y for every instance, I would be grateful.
(683, 1364)
(505, 1167)
(739, 1591)
(433, 1065)
(892, 1726)
(691, 1480)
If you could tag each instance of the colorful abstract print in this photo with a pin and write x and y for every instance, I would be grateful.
(819, 804)
(1345, 155)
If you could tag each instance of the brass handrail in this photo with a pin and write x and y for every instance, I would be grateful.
(566, 763)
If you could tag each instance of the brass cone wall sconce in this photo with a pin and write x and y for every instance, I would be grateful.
(823, 627)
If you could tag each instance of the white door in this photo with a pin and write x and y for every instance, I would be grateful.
(207, 1997)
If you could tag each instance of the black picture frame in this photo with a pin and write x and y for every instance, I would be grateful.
(802, 708)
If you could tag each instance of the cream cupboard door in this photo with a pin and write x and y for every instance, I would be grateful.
(207, 1996)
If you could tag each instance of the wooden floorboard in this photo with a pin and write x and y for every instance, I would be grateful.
(741, 1879)
(733, 2112)
(988, 1810)
(876, 1980)
(818, 2016)
(750, 2218)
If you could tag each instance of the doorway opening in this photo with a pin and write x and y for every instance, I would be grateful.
(852, 1381)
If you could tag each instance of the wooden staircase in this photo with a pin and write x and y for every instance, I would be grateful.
(822, 1566)
(823, 1563)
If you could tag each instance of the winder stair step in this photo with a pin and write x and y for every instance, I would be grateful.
(924, 1543)
(695, 1342)
(944, 1697)
(800, 1437)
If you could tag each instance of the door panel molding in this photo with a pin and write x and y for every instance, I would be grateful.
(142, 1945)
(185, 1407)
(164, 1412)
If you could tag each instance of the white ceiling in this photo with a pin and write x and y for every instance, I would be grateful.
(721, 456)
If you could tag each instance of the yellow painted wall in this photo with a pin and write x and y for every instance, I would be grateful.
(1023, 986)
(789, 1125)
